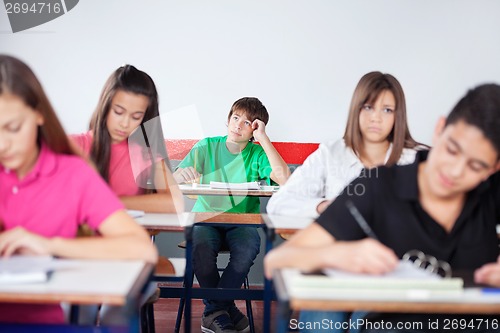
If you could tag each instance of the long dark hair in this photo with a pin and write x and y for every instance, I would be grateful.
(368, 89)
(18, 79)
(128, 79)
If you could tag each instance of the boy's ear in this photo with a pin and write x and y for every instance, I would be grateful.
(438, 129)
(497, 168)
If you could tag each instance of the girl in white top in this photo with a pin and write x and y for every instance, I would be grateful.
(376, 134)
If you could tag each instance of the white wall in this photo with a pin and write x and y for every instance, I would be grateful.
(301, 58)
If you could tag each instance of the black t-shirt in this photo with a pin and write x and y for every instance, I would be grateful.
(387, 197)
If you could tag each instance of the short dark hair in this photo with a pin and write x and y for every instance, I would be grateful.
(480, 107)
(253, 108)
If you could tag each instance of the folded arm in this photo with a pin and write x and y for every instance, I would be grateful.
(120, 238)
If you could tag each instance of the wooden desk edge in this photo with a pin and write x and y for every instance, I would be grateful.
(392, 306)
(234, 193)
(243, 218)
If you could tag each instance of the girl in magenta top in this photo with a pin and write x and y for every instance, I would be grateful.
(126, 143)
(47, 192)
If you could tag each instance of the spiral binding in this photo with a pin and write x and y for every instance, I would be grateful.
(428, 262)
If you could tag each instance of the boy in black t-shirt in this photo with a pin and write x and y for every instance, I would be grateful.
(446, 204)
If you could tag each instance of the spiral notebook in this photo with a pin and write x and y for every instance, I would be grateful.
(416, 272)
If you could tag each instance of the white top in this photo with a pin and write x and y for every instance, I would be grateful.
(323, 176)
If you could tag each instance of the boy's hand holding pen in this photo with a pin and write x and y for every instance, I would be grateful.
(187, 175)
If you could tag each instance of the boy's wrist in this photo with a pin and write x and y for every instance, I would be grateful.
(264, 139)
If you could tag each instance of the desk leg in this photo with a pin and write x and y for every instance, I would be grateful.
(268, 285)
(189, 278)
(283, 317)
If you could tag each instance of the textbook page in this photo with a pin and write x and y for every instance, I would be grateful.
(405, 277)
(25, 269)
(405, 270)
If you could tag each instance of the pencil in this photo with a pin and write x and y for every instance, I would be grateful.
(195, 159)
(360, 220)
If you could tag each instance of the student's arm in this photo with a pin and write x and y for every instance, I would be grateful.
(168, 198)
(314, 248)
(489, 274)
(186, 175)
(121, 238)
(304, 192)
(190, 167)
(280, 171)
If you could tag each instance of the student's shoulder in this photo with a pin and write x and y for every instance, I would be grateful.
(212, 140)
(83, 141)
(82, 138)
(337, 151)
(72, 163)
(408, 155)
(334, 146)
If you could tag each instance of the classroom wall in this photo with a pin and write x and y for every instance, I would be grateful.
(302, 58)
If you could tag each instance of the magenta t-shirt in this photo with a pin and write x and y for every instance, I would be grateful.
(53, 199)
(125, 175)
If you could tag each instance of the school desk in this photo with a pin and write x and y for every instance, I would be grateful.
(184, 222)
(86, 281)
(471, 301)
(204, 189)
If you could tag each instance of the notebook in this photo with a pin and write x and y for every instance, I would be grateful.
(135, 213)
(235, 186)
(25, 269)
(410, 278)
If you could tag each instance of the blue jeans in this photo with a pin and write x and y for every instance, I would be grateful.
(330, 321)
(244, 246)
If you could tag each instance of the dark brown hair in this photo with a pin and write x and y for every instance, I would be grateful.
(18, 79)
(253, 109)
(367, 91)
(480, 107)
(128, 79)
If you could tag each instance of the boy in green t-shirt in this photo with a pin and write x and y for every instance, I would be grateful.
(232, 158)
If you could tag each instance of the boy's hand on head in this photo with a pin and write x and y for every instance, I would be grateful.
(186, 175)
(488, 274)
(259, 130)
(19, 240)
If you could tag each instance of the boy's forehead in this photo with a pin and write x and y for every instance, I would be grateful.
(471, 139)
(241, 113)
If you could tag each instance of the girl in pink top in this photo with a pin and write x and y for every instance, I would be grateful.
(126, 143)
(47, 192)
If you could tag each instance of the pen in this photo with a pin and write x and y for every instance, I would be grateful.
(360, 220)
(490, 290)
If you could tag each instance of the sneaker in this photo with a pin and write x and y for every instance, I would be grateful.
(240, 321)
(217, 322)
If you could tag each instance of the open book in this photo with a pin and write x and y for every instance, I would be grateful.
(235, 186)
(406, 280)
(25, 269)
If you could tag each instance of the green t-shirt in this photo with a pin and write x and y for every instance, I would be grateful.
(215, 163)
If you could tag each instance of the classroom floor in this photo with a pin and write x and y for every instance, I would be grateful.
(166, 314)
